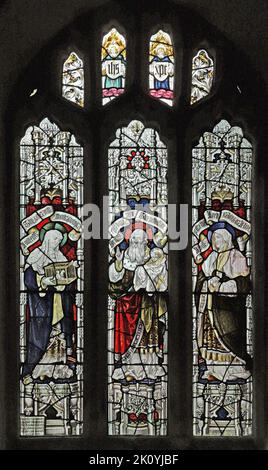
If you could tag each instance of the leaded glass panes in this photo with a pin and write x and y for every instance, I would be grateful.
(113, 63)
(161, 67)
(73, 79)
(137, 303)
(51, 282)
(222, 299)
(202, 75)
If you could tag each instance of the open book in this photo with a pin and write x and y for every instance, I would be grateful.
(64, 272)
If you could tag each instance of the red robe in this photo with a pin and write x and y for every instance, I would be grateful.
(127, 312)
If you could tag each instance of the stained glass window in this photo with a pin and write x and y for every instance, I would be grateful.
(73, 79)
(51, 282)
(202, 75)
(161, 67)
(137, 304)
(222, 301)
(113, 61)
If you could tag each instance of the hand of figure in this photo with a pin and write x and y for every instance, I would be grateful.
(49, 281)
(214, 284)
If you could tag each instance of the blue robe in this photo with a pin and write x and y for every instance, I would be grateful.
(40, 323)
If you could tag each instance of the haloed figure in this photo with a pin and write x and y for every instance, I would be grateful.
(221, 290)
(50, 312)
(140, 310)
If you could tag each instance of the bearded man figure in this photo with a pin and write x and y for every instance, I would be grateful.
(140, 310)
(50, 313)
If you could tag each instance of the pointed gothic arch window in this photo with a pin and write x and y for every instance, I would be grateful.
(161, 67)
(222, 261)
(203, 72)
(151, 404)
(51, 275)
